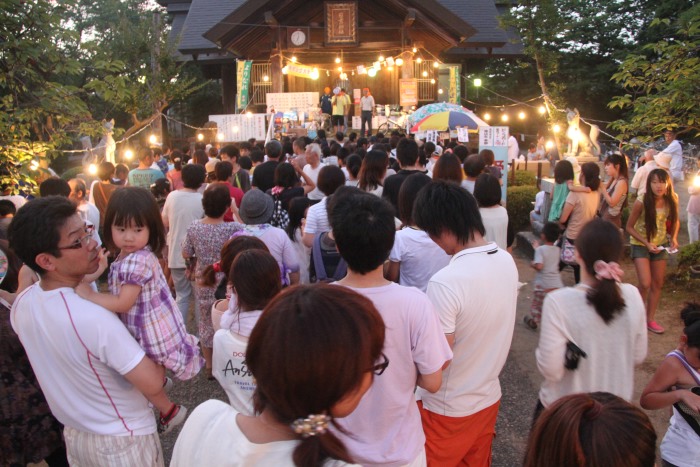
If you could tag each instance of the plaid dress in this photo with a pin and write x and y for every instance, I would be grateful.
(154, 320)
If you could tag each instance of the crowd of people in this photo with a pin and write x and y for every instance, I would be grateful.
(355, 298)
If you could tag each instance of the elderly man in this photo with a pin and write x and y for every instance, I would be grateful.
(92, 371)
(312, 168)
(367, 111)
(674, 151)
(78, 193)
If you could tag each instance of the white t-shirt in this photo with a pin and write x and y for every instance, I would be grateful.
(475, 296)
(639, 181)
(211, 437)
(414, 344)
(313, 175)
(612, 349)
(676, 152)
(495, 221)
(317, 218)
(17, 200)
(513, 149)
(181, 208)
(539, 201)
(79, 352)
(548, 277)
(230, 370)
(420, 257)
(90, 213)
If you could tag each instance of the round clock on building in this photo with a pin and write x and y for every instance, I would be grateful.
(298, 38)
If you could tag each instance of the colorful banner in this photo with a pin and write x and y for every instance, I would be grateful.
(455, 93)
(408, 92)
(243, 83)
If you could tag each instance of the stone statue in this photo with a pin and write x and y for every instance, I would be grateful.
(104, 151)
(580, 144)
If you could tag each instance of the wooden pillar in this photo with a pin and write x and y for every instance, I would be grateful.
(276, 71)
(228, 81)
(407, 67)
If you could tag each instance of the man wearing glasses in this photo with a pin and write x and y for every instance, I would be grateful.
(415, 349)
(93, 373)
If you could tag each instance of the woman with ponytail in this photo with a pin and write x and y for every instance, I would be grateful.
(592, 334)
(313, 353)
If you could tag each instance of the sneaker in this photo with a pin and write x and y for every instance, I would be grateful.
(167, 384)
(172, 419)
(530, 322)
(654, 327)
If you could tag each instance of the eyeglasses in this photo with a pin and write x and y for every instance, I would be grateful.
(379, 368)
(82, 241)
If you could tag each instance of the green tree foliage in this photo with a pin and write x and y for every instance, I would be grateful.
(65, 65)
(662, 82)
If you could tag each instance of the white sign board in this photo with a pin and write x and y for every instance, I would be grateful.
(240, 127)
(463, 135)
(500, 136)
(431, 136)
(288, 101)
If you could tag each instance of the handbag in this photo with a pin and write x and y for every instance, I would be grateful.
(567, 252)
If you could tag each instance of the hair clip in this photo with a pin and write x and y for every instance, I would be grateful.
(217, 266)
(313, 425)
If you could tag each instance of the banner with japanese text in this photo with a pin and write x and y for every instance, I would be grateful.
(243, 70)
(455, 93)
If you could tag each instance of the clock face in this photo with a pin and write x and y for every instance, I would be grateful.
(298, 37)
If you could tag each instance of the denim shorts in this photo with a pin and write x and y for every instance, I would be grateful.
(637, 251)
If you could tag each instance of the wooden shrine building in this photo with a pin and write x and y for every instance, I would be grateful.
(306, 45)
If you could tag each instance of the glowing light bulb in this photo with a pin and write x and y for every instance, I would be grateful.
(266, 78)
(521, 115)
(425, 74)
(432, 81)
(285, 70)
(92, 169)
(314, 74)
(440, 91)
(504, 118)
(200, 137)
(249, 114)
(541, 110)
(235, 129)
(34, 165)
(372, 72)
(487, 116)
(556, 128)
(436, 64)
(419, 60)
(548, 145)
(399, 61)
(294, 59)
(696, 181)
(340, 68)
(391, 68)
(415, 50)
(337, 59)
(152, 139)
(381, 58)
(219, 136)
(477, 82)
(128, 154)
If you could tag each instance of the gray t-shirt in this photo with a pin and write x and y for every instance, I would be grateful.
(548, 277)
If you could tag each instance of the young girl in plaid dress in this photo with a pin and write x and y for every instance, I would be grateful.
(139, 292)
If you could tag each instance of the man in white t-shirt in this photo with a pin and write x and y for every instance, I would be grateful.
(415, 348)
(475, 297)
(92, 371)
(674, 152)
(181, 208)
(78, 193)
(513, 148)
(313, 167)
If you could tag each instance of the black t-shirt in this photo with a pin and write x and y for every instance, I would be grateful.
(392, 185)
(264, 175)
